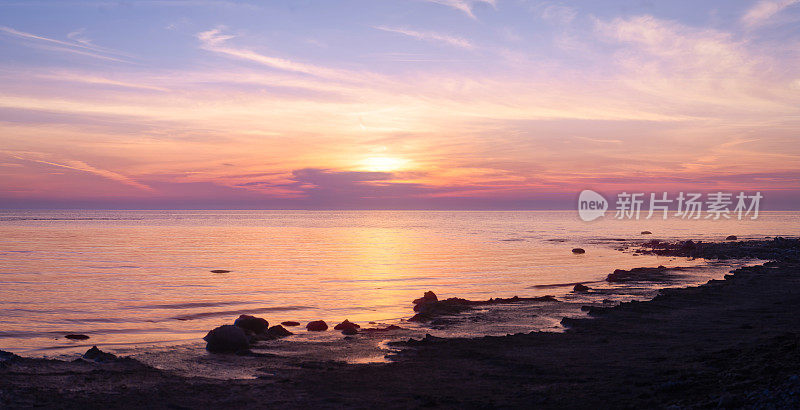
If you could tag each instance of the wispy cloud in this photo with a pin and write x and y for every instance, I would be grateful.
(84, 167)
(465, 6)
(82, 47)
(557, 13)
(215, 41)
(765, 10)
(429, 36)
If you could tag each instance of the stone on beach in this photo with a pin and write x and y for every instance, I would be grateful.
(346, 325)
(578, 250)
(317, 326)
(290, 323)
(277, 332)
(253, 324)
(98, 355)
(75, 336)
(226, 339)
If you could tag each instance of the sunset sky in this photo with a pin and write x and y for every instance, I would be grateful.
(394, 103)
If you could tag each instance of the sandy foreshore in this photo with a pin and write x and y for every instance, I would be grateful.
(729, 343)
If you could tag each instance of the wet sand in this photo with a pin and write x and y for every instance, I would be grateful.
(728, 343)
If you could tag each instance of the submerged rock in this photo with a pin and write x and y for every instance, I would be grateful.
(731, 238)
(220, 271)
(317, 326)
(290, 323)
(350, 331)
(253, 324)
(646, 233)
(226, 339)
(578, 250)
(277, 332)
(580, 287)
(98, 355)
(76, 336)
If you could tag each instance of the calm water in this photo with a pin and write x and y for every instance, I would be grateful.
(130, 277)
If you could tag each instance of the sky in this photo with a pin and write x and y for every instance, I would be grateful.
(394, 104)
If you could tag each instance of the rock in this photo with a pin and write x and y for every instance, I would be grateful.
(658, 274)
(347, 325)
(646, 233)
(253, 324)
(382, 329)
(427, 308)
(580, 287)
(76, 337)
(220, 271)
(226, 339)
(98, 355)
(731, 238)
(350, 331)
(578, 250)
(290, 323)
(277, 332)
(427, 297)
(317, 326)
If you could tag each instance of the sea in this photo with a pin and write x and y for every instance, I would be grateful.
(138, 282)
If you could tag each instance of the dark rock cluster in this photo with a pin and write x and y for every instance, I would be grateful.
(429, 306)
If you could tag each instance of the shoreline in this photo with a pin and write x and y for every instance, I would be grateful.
(731, 342)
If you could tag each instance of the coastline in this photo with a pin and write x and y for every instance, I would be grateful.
(728, 343)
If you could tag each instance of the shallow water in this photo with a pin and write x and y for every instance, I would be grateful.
(143, 278)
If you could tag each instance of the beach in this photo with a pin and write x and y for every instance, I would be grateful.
(727, 343)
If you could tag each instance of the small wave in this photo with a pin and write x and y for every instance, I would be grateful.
(186, 305)
(201, 315)
(30, 218)
(379, 280)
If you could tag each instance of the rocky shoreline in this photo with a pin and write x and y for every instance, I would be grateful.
(729, 343)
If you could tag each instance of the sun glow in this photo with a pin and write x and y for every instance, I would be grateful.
(383, 164)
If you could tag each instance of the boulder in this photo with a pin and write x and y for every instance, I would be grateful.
(347, 325)
(290, 323)
(253, 324)
(76, 336)
(580, 287)
(277, 332)
(226, 339)
(98, 355)
(578, 250)
(427, 297)
(317, 326)
(731, 238)
(350, 331)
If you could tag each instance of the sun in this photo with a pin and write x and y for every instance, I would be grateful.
(382, 164)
